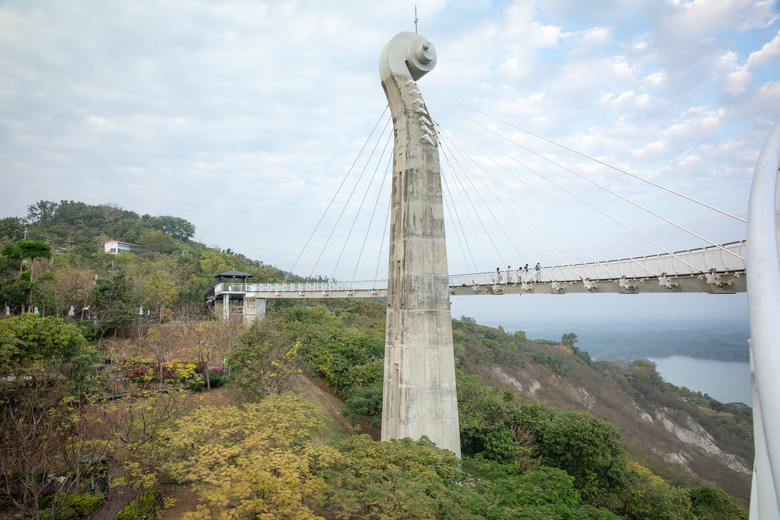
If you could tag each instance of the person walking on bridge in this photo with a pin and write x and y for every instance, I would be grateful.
(538, 270)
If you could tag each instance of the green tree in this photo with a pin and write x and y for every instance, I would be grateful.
(709, 503)
(28, 339)
(157, 240)
(26, 252)
(494, 425)
(587, 448)
(41, 212)
(569, 339)
(399, 479)
(11, 230)
(541, 493)
(346, 357)
(264, 359)
(113, 303)
(176, 227)
(213, 262)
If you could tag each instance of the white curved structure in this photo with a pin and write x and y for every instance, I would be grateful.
(763, 287)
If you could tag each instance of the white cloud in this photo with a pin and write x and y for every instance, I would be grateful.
(700, 18)
(96, 121)
(769, 54)
(735, 78)
(653, 149)
(655, 79)
(631, 99)
(595, 36)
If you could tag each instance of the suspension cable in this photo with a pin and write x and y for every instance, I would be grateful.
(378, 197)
(360, 207)
(479, 219)
(344, 208)
(599, 186)
(382, 242)
(334, 196)
(457, 221)
(449, 204)
(563, 209)
(550, 223)
(632, 175)
(465, 173)
(600, 211)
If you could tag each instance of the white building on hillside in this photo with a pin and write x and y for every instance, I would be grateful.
(115, 247)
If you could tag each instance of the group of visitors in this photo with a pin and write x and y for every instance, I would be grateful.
(520, 275)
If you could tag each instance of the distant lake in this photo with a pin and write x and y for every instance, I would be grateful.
(726, 381)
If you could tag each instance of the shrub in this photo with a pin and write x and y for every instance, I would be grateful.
(264, 361)
(76, 506)
(198, 384)
(174, 372)
(708, 502)
(399, 479)
(365, 400)
(137, 373)
(142, 509)
(29, 338)
(217, 377)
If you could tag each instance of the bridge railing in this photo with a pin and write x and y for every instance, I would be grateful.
(303, 287)
(724, 258)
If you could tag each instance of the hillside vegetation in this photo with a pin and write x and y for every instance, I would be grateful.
(546, 432)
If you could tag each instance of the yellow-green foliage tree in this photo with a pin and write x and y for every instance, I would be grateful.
(70, 287)
(160, 283)
(214, 262)
(251, 461)
(131, 428)
(649, 496)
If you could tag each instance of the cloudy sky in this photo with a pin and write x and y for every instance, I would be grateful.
(243, 117)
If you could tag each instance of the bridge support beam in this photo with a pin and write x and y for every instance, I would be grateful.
(226, 307)
(419, 368)
(254, 308)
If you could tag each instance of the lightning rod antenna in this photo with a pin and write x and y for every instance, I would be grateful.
(415, 18)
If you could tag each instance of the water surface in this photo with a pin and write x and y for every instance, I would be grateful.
(726, 381)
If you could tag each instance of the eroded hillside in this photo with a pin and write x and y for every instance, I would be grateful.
(676, 433)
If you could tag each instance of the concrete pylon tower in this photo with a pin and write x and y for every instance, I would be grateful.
(419, 374)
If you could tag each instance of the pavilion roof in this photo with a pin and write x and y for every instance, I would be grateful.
(233, 274)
